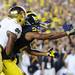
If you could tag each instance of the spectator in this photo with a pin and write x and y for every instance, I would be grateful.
(70, 63)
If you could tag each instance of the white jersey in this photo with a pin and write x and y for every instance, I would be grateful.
(6, 25)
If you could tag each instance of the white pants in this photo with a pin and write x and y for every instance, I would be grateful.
(46, 72)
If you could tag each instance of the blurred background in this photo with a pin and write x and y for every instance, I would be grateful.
(59, 13)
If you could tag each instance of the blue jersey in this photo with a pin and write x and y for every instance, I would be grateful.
(22, 42)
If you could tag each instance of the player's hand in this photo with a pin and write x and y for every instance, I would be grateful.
(51, 52)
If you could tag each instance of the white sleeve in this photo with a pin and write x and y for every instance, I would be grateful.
(16, 29)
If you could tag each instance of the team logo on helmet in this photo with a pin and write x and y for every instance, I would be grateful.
(19, 13)
(17, 10)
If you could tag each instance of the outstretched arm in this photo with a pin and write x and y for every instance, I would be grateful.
(43, 36)
(36, 52)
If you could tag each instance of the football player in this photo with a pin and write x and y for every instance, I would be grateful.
(10, 31)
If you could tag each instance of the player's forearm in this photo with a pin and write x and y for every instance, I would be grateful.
(53, 35)
(9, 47)
(10, 43)
(34, 52)
(57, 35)
(37, 53)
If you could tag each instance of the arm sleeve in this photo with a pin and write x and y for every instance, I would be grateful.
(16, 29)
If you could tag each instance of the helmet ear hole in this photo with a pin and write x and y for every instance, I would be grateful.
(20, 20)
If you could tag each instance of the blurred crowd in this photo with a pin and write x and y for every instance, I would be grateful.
(61, 64)
(58, 12)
